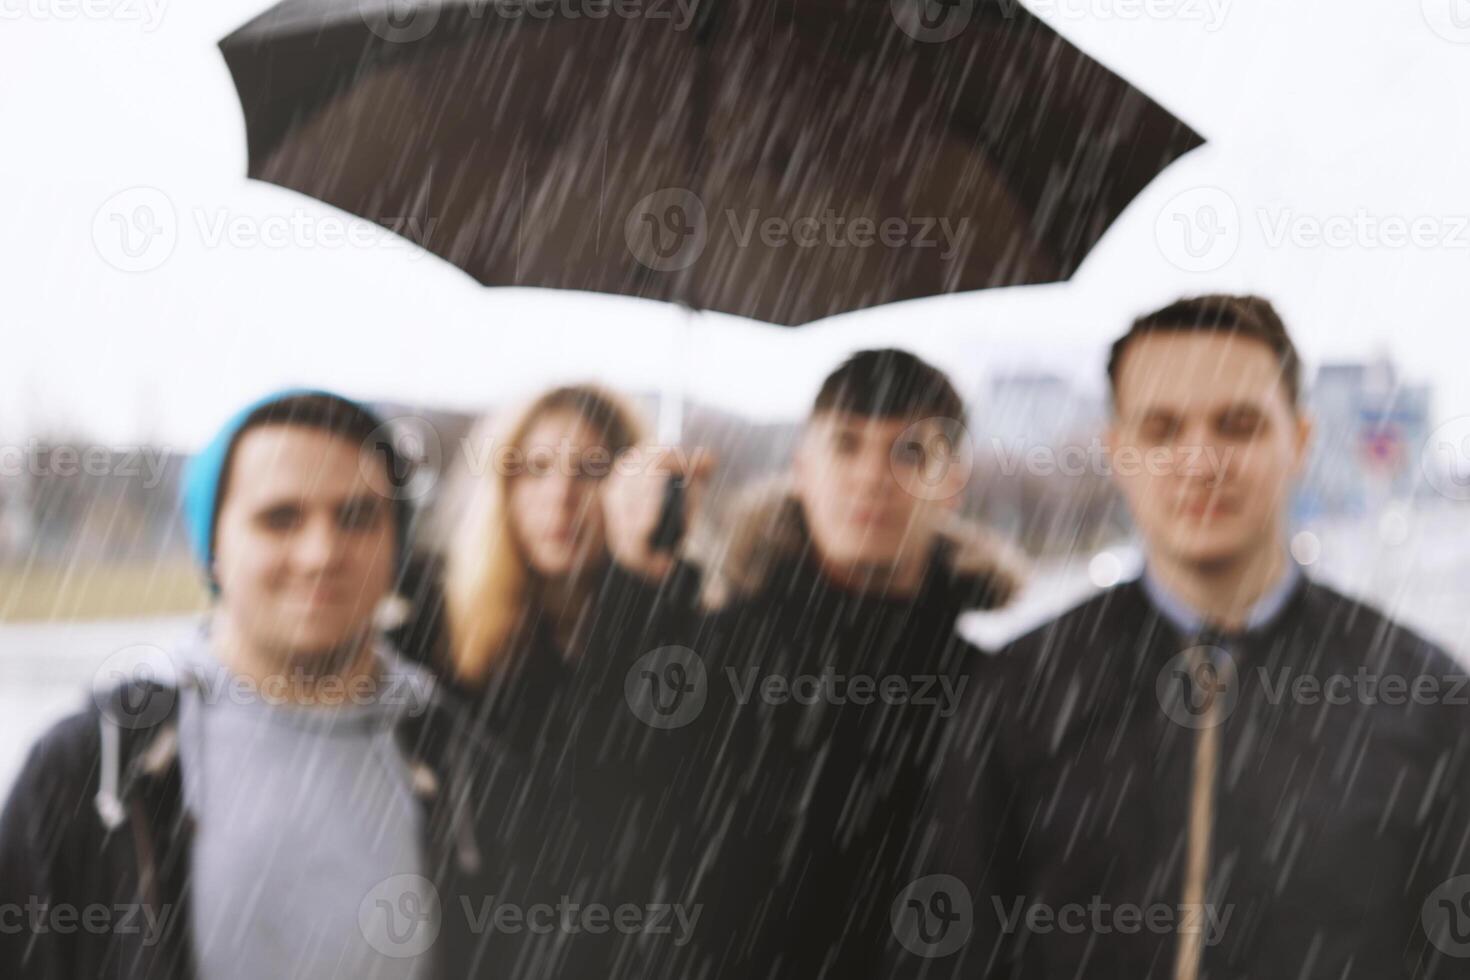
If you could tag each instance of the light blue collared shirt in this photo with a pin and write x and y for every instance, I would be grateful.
(1188, 621)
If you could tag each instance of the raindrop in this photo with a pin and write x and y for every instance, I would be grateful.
(1393, 526)
(1306, 547)
(1105, 570)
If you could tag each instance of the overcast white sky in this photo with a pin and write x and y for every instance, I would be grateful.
(1337, 115)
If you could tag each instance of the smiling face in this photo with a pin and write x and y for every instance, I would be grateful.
(1206, 444)
(305, 545)
(555, 509)
(872, 489)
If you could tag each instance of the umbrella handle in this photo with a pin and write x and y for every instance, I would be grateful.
(669, 530)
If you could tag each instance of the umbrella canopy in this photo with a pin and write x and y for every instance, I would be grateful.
(778, 160)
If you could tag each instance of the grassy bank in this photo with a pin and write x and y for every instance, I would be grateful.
(98, 591)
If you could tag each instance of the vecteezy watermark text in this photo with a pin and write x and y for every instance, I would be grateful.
(40, 916)
(830, 687)
(1097, 459)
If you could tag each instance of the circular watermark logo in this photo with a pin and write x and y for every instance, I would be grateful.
(667, 230)
(667, 687)
(400, 916)
(1446, 459)
(933, 459)
(933, 916)
(399, 21)
(932, 21)
(135, 687)
(1450, 19)
(1199, 229)
(1197, 688)
(136, 230)
(1446, 916)
(408, 451)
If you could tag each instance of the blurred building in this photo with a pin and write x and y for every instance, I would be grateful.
(1371, 427)
(1035, 408)
(1035, 434)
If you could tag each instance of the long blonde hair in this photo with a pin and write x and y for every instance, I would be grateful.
(487, 575)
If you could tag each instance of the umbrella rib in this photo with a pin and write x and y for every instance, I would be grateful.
(520, 222)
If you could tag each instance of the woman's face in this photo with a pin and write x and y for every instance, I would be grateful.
(555, 506)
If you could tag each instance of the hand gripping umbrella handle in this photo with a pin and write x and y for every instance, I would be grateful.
(669, 530)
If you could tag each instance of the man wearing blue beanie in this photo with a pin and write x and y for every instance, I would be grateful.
(206, 471)
(296, 799)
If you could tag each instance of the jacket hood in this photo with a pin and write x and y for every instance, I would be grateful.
(147, 729)
(767, 530)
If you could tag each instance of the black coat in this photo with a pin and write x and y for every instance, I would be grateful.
(636, 792)
(64, 848)
(834, 779)
(1067, 789)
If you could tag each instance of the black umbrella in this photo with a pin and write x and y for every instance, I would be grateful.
(784, 160)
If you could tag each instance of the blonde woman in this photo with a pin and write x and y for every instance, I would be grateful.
(553, 597)
(549, 580)
(547, 550)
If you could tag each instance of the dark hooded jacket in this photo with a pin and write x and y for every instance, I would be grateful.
(841, 698)
(1342, 801)
(97, 822)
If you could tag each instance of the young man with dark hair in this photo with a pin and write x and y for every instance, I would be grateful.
(1222, 769)
(286, 797)
(835, 642)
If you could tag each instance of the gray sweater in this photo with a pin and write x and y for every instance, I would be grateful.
(307, 860)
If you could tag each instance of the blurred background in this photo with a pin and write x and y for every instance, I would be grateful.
(149, 288)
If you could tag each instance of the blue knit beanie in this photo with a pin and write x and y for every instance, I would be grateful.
(203, 474)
